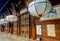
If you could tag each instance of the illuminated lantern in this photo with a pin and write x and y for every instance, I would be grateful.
(39, 8)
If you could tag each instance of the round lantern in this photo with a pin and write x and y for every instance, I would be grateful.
(39, 7)
(11, 18)
(3, 21)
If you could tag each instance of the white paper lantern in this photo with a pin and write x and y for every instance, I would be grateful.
(3, 21)
(11, 18)
(38, 7)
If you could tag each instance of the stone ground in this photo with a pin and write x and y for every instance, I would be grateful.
(11, 37)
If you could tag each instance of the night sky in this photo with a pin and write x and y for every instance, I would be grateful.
(3, 6)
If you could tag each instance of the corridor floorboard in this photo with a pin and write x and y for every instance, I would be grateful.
(11, 37)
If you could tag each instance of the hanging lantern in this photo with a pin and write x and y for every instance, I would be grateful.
(39, 7)
(11, 18)
(3, 21)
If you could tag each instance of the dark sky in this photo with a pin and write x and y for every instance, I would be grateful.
(3, 6)
(6, 3)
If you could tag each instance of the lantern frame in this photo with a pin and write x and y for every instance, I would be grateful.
(34, 11)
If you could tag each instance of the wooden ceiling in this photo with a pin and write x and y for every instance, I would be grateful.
(24, 3)
(54, 2)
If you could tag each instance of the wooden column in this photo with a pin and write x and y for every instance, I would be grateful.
(18, 28)
(32, 28)
(11, 27)
(2, 28)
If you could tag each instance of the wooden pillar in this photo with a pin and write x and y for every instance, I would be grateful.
(2, 28)
(32, 28)
(11, 27)
(18, 28)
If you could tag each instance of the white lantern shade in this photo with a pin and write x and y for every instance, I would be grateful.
(3, 21)
(11, 18)
(39, 7)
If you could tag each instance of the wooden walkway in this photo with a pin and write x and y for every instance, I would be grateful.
(11, 37)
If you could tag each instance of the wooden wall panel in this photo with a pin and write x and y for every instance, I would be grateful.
(57, 31)
(44, 24)
(44, 30)
(48, 39)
